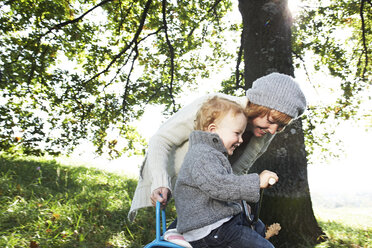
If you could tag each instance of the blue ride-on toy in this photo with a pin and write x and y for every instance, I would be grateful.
(159, 239)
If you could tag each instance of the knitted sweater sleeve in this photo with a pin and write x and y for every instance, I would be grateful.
(217, 182)
(173, 133)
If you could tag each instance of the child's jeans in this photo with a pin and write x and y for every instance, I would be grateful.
(235, 234)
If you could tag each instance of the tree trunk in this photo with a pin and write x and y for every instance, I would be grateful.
(289, 202)
(267, 48)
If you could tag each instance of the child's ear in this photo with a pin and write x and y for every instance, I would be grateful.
(212, 128)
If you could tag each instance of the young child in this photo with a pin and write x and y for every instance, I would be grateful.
(207, 194)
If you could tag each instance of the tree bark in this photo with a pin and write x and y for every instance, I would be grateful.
(267, 48)
(266, 38)
(288, 202)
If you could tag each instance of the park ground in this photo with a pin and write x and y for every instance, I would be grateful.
(49, 203)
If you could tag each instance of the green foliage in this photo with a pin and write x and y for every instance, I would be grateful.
(77, 70)
(318, 134)
(338, 36)
(230, 87)
(74, 70)
(340, 33)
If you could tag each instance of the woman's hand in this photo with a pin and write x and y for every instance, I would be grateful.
(160, 194)
(268, 178)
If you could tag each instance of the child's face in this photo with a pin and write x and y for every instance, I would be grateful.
(230, 129)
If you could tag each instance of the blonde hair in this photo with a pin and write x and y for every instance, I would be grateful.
(254, 110)
(214, 109)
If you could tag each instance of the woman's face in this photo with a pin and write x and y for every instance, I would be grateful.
(264, 124)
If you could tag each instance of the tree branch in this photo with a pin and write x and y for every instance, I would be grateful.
(123, 65)
(205, 16)
(172, 55)
(123, 18)
(306, 71)
(365, 49)
(128, 82)
(138, 32)
(150, 34)
(130, 54)
(60, 25)
(239, 60)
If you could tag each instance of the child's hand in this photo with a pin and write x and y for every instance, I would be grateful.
(268, 178)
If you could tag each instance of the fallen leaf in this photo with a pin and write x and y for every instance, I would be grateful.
(273, 230)
(34, 244)
(55, 216)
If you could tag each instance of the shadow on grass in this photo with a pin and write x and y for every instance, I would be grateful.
(45, 204)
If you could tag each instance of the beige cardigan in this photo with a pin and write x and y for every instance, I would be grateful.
(168, 147)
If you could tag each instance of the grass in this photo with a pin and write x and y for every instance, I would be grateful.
(345, 227)
(340, 235)
(46, 204)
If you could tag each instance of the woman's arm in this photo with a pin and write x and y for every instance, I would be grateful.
(255, 148)
(171, 135)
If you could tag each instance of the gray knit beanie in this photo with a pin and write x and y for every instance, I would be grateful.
(280, 92)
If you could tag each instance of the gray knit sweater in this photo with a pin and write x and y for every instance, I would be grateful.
(206, 189)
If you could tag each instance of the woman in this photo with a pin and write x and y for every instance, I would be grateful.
(272, 102)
